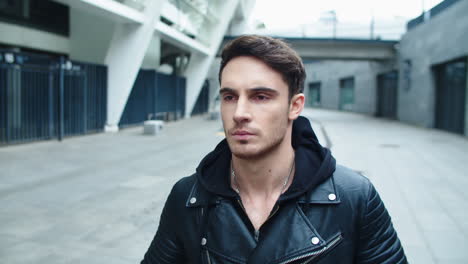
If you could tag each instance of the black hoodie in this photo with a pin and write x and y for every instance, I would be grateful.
(314, 164)
(353, 227)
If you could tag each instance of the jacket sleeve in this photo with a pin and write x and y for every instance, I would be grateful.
(378, 240)
(166, 248)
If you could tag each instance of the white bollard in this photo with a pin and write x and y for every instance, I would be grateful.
(152, 127)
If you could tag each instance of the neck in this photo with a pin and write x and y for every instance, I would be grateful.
(265, 175)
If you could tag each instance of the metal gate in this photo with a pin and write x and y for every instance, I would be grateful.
(387, 86)
(154, 95)
(203, 100)
(50, 99)
(140, 104)
(451, 95)
(25, 102)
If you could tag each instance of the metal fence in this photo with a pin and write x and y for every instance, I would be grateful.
(50, 99)
(154, 96)
(25, 114)
(203, 101)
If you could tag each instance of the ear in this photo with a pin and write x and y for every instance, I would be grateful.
(296, 106)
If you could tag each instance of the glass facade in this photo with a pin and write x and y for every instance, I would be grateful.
(39, 14)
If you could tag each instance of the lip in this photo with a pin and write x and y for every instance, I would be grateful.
(242, 134)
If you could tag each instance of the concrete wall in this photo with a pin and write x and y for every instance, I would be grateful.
(88, 41)
(90, 36)
(438, 40)
(16, 35)
(329, 74)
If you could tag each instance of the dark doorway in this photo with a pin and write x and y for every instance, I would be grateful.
(313, 98)
(450, 80)
(346, 94)
(387, 84)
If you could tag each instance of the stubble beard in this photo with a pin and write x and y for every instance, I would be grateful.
(272, 144)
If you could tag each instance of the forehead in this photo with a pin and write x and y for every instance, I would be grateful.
(249, 72)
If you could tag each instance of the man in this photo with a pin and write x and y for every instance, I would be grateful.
(269, 192)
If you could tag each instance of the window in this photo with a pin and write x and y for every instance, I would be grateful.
(40, 14)
(313, 97)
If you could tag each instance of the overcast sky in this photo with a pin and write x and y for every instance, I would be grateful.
(312, 18)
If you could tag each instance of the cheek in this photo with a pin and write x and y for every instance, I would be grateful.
(224, 110)
(275, 112)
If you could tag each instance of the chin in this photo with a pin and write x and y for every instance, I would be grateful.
(246, 155)
(249, 152)
(243, 150)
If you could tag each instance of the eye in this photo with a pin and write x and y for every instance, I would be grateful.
(261, 97)
(228, 98)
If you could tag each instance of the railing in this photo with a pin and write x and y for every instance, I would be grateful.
(135, 4)
(430, 14)
(44, 98)
(194, 18)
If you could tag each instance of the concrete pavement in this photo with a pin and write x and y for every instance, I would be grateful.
(420, 174)
(97, 198)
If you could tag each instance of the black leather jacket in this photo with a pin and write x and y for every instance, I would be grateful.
(329, 214)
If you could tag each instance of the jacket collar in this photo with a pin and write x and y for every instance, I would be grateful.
(324, 193)
(200, 197)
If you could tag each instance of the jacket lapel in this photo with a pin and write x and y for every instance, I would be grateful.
(287, 235)
(325, 193)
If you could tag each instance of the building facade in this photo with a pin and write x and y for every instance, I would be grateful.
(175, 38)
(425, 83)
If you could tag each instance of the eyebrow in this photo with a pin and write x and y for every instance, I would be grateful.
(226, 90)
(255, 89)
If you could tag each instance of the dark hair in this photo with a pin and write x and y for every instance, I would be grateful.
(274, 52)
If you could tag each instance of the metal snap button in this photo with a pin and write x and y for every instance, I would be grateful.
(193, 200)
(315, 240)
(203, 241)
(332, 197)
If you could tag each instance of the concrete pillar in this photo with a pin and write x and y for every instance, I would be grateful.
(199, 64)
(124, 58)
(153, 55)
(466, 100)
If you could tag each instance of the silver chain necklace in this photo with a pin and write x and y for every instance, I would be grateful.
(236, 188)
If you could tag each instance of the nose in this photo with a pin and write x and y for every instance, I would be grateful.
(242, 112)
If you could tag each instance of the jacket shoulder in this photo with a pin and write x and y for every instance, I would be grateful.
(182, 189)
(343, 185)
(184, 185)
(351, 181)
(377, 239)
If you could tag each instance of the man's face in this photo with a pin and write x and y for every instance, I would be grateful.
(255, 107)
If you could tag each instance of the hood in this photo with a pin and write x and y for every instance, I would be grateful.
(314, 164)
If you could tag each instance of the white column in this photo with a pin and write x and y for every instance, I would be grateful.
(199, 64)
(124, 58)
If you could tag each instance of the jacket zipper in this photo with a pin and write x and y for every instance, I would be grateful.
(257, 232)
(314, 254)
